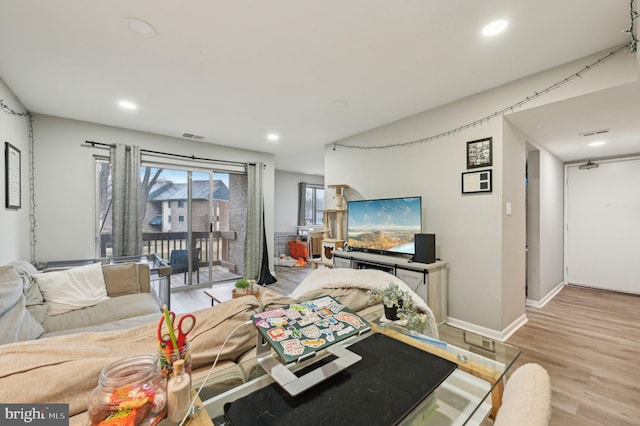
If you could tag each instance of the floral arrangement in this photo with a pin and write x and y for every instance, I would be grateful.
(392, 296)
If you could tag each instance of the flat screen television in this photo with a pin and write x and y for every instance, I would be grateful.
(385, 226)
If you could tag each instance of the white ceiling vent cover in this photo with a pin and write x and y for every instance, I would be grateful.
(595, 132)
(192, 136)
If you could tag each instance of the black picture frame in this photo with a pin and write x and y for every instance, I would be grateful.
(12, 176)
(480, 153)
(478, 181)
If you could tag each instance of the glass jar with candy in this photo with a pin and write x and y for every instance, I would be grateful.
(130, 391)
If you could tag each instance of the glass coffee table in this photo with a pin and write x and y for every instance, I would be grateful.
(470, 394)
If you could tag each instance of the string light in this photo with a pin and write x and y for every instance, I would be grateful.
(487, 118)
(11, 111)
(633, 15)
(32, 205)
(631, 47)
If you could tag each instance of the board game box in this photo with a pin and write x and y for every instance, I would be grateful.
(298, 331)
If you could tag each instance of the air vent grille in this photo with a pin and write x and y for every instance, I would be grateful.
(595, 132)
(192, 136)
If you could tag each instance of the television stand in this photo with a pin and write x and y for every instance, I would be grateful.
(428, 280)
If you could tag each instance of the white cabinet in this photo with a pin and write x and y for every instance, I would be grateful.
(428, 280)
(341, 262)
(416, 280)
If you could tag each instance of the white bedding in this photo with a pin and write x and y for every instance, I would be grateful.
(366, 279)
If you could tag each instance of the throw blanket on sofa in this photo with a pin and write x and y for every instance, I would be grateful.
(364, 279)
(65, 369)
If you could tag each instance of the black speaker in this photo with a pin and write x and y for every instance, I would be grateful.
(425, 248)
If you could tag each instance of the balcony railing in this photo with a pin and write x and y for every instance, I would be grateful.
(163, 243)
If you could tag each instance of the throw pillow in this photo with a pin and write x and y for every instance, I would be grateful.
(121, 279)
(16, 323)
(73, 288)
(34, 299)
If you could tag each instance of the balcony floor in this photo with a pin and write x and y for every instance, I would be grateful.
(219, 275)
(192, 298)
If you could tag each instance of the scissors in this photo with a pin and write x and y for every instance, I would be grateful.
(186, 323)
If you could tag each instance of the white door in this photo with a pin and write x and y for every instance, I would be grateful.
(602, 240)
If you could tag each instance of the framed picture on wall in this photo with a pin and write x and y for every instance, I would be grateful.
(479, 153)
(12, 188)
(479, 181)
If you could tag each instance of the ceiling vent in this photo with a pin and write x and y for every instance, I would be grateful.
(191, 136)
(595, 132)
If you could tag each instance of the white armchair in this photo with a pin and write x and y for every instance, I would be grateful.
(527, 398)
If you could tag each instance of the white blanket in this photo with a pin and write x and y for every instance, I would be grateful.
(366, 279)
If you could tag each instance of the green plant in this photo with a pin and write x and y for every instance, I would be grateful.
(242, 283)
(392, 296)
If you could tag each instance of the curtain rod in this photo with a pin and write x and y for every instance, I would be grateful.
(190, 157)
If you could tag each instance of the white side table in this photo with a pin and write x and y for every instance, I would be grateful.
(220, 293)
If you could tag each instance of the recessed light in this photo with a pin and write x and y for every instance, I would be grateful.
(140, 27)
(127, 105)
(597, 143)
(495, 27)
(273, 137)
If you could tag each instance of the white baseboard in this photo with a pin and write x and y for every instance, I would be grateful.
(488, 332)
(547, 298)
(513, 327)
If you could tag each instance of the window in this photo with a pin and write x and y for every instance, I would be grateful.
(183, 207)
(314, 205)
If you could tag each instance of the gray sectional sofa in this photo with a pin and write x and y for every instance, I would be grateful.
(70, 363)
(25, 311)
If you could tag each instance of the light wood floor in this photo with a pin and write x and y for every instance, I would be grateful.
(193, 299)
(588, 340)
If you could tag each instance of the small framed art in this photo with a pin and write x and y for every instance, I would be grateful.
(479, 181)
(479, 153)
(12, 176)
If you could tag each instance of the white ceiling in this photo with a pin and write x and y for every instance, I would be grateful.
(233, 71)
(565, 128)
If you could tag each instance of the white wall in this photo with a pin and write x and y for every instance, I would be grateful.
(484, 248)
(14, 224)
(286, 198)
(545, 223)
(514, 230)
(65, 180)
(551, 223)
(467, 227)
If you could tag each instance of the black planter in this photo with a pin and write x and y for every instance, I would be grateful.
(391, 312)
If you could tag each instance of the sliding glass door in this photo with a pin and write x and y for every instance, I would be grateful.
(187, 219)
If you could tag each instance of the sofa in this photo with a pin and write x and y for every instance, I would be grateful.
(93, 297)
(70, 364)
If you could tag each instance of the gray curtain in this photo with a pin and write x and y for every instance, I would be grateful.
(302, 202)
(253, 243)
(125, 175)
